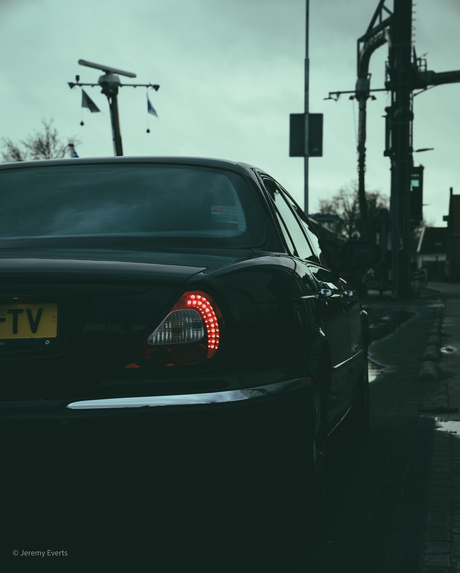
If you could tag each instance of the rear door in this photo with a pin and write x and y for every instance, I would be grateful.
(350, 303)
(331, 298)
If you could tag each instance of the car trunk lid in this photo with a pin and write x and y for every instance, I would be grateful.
(68, 323)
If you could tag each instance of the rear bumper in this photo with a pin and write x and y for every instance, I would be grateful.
(182, 429)
(274, 405)
(269, 391)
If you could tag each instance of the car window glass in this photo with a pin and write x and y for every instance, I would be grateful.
(286, 235)
(311, 235)
(160, 202)
(302, 247)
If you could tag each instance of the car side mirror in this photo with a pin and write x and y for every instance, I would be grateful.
(356, 255)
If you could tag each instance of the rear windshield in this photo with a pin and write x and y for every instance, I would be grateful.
(140, 203)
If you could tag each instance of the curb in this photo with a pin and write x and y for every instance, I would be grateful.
(430, 369)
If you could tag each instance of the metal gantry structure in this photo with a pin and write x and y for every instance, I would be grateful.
(110, 84)
(404, 74)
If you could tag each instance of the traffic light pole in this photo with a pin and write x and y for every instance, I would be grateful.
(400, 72)
(404, 75)
(374, 37)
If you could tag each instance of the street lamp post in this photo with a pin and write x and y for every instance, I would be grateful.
(306, 106)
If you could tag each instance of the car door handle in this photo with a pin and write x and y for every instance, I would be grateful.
(347, 294)
(324, 294)
(347, 297)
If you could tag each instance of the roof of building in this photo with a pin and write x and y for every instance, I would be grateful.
(433, 240)
(453, 219)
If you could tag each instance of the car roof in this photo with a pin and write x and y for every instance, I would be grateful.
(240, 167)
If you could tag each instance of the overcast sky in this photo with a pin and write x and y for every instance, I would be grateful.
(231, 72)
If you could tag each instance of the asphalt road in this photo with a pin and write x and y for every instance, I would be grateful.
(107, 508)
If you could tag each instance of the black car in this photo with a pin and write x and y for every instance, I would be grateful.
(189, 293)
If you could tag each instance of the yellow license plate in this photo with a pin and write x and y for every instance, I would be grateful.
(28, 321)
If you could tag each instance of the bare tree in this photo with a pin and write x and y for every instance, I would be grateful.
(345, 203)
(42, 144)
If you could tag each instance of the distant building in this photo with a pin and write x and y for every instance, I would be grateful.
(332, 222)
(432, 252)
(453, 237)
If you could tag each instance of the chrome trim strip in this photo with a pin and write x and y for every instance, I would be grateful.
(207, 398)
(348, 360)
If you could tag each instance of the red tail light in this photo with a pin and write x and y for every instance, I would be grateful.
(189, 334)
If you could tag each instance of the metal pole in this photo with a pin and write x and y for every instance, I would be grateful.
(401, 130)
(372, 43)
(362, 97)
(117, 144)
(110, 84)
(306, 109)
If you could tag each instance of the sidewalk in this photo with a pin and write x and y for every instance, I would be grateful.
(442, 533)
(439, 374)
(395, 498)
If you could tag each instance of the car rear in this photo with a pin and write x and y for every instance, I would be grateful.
(110, 287)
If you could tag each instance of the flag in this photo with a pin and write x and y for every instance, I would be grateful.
(150, 108)
(73, 153)
(87, 102)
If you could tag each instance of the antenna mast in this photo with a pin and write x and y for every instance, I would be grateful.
(110, 83)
